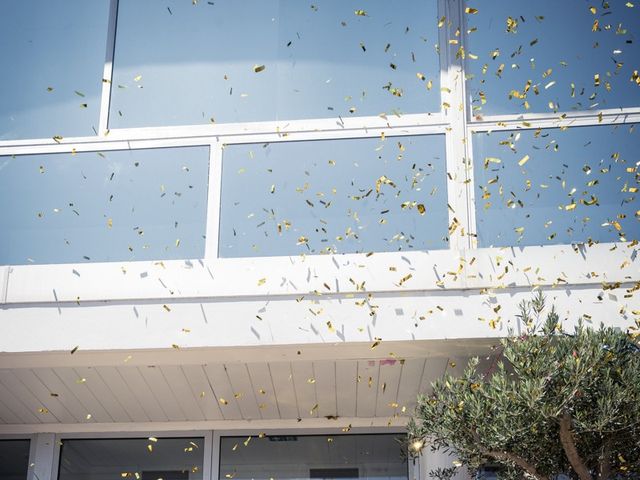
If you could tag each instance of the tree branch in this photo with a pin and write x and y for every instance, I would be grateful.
(604, 470)
(569, 446)
(508, 457)
(519, 461)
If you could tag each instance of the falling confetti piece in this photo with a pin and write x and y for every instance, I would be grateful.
(258, 68)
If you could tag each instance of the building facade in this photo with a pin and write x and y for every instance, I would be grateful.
(243, 241)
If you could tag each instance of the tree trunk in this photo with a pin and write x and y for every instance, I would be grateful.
(570, 450)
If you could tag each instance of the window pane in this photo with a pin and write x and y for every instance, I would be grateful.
(552, 55)
(539, 187)
(14, 459)
(334, 196)
(111, 206)
(52, 59)
(132, 459)
(318, 456)
(178, 63)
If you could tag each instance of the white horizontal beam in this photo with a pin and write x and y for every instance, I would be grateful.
(93, 144)
(130, 327)
(247, 132)
(320, 276)
(353, 351)
(611, 116)
(308, 426)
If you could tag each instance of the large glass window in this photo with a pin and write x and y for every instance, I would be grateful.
(227, 64)
(103, 206)
(334, 196)
(227, 61)
(132, 459)
(52, 61)
(550, 55)
(14, 459)
(327, 457)
(557, 186)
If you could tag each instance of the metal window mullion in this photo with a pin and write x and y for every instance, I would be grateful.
(207, 461)
(453, 93)
(215, 456)
(107, 75)
(213, 201)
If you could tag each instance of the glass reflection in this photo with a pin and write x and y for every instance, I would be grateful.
(549, 55)
(52, 60)
(319, 457)
(334, 196)
(553, 186)
(258, 60)
(132, 459)
(103, 206)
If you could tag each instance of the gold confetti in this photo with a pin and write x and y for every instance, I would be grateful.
(524, 160)
(258, 68)
(223, 401)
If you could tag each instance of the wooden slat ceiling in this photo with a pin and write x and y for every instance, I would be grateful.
(234, 391)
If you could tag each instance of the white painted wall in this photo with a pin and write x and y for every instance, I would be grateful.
(431, 460)
(309, 300)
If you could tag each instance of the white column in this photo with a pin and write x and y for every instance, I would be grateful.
(431, 460)
(42, 456)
